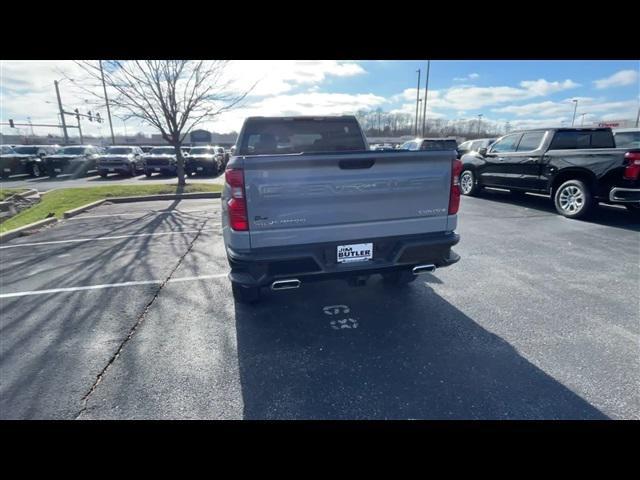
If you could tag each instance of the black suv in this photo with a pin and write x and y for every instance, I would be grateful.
(29, 159)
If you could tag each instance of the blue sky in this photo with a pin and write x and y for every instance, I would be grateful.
(525, 93)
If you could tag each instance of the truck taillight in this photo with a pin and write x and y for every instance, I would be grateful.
(454, 196)
(237, 204)
(632, 165)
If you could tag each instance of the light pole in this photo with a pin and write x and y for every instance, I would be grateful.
(479, 121)
(582, 121)
(106, 100)
(64, 124)
(417, 102)
(426, 93)
(638, 117)
(575, 109)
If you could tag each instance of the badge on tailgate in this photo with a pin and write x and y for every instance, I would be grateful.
(357, 252)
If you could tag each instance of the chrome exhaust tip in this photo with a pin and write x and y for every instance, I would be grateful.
(420, 269)
(285, 284)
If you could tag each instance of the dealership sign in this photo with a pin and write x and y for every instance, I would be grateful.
(610, 124)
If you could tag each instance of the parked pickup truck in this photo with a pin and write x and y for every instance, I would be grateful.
(76, 160)
(27, 159)
(576, 166)
(305, 199)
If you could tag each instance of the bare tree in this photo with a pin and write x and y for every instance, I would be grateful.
(173, 96)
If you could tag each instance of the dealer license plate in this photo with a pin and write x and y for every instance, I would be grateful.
(357, 252)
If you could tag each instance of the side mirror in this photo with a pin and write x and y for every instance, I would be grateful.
(483, 151)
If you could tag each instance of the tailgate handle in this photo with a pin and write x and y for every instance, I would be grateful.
(357, 163)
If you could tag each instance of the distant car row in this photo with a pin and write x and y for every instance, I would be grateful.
(78, 160)
(624, 138)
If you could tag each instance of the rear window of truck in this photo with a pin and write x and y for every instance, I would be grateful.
(282, 136)
(568, 140)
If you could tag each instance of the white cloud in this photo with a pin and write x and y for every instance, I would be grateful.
(469, 97)
(585, 105)
(618, 79)
(314, 103)
(471, 76)
(27, 90)
(279, 76)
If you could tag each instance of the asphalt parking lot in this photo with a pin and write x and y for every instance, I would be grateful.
(125, 312)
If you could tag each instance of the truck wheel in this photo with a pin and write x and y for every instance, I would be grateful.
(35, 170)
(244, 294)
(103, 174)
(573, 199)
(147, 173)
(400, 278)
(468, 183)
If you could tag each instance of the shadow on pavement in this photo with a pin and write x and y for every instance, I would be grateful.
(606, 215)
(53, 347)
(412, 355)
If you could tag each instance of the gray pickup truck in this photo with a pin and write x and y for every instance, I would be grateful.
(305, 199)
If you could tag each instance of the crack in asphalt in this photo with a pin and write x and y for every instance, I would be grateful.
(138, 322)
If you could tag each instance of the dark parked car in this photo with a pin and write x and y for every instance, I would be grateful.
(205, 160)
(26, 159)
(76, 160)
(576, 166)
(438, 144)
(161, 160)
(146, 148)
(124, 160)
(474, 145)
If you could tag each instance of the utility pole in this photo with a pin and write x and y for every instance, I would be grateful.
(426, 93)
(106, 99)
(417, 102)
(64, 124)
(479, 121)
(575, 109)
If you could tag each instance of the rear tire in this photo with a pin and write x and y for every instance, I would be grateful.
(36, 171)
(573, 199)
(147, 174)
(103, 174)
(468, 183)
(399, 278)
(246, 295)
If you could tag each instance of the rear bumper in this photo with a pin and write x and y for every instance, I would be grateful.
(624, 195)
(318, 261)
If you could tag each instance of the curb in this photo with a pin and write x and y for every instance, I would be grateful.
(71, 213)
(147, 198)
(76, 211)
(22, 194)
(170, 196)
(18, 231)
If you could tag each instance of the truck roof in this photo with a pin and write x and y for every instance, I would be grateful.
(562, 129)
(299, 117)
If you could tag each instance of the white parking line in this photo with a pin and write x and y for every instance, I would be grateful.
(109, 285)
(117, 237)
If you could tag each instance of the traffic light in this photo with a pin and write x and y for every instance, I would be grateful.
(90, 117)
(98, 117)
(11, 123)
(77, 114)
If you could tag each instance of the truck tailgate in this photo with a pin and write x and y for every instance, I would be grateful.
(298, 199)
